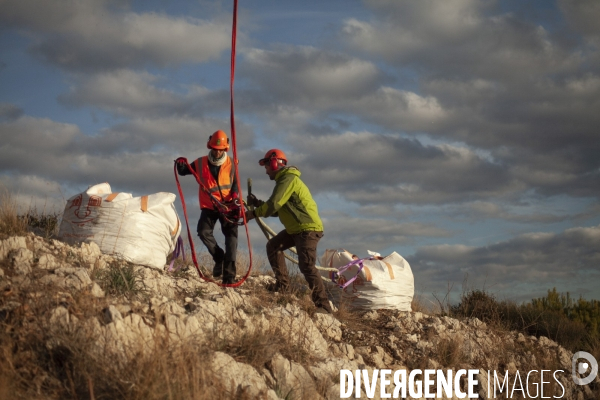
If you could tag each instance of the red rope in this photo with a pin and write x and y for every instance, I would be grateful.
(235, 163)
(233, 137)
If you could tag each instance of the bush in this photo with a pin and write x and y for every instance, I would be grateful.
(121, 278)
(552, 317)
(478, 304)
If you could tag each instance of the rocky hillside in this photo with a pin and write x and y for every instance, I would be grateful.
(79, 324)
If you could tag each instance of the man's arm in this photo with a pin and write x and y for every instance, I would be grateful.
(281, 194)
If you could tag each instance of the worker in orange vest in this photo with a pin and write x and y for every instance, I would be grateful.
(218, 187)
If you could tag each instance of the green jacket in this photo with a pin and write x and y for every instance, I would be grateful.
(292, 202)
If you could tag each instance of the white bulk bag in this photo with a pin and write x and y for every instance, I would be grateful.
(142, 230)
(383, 282)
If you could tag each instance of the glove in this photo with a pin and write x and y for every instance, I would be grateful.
(250, 215)
(182, 168)
(253, 201)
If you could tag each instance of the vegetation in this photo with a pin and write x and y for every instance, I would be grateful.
(12, 223)
(121, 278)
(573, 324)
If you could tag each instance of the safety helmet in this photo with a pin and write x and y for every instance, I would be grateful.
(273, 157)
(218, 141)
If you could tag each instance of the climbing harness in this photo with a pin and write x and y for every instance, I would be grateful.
(231, 211)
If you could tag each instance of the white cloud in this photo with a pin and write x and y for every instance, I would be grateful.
(123, 92)
(94, 35)
(134, 155)
(456, 36)
(399, 109)
(533, 259)
(303, 73)
(371, 168)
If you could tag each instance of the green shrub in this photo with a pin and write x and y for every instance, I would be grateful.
(121, 278)
(574, 325)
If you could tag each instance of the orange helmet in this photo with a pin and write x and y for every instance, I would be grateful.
(273, 156)
(218, 141)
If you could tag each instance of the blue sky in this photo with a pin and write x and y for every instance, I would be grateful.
(462, 134)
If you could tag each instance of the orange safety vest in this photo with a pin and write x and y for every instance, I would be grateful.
(221, 189)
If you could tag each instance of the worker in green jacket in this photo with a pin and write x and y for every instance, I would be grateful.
(292, 202)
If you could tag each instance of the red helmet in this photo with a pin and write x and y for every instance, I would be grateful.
(275, 157)
(218, 141)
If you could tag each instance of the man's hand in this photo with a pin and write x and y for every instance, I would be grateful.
(182, 168)
(253, 201)
(250, 215)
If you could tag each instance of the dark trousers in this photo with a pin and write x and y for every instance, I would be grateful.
(206, 226)
(306, 245)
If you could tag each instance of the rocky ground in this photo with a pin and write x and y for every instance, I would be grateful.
(60, 305)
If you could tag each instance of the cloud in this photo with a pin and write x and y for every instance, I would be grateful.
(582, 15)
(479, 210)
(309, 76)
(93, 35)
(9, 112)
(533, 259)
(30, 192)
(136, 94)
(461, 37)
(134, 156)
(530, 128)
(370, 168)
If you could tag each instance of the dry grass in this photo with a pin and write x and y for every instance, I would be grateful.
(450, 352)
(298, 292)
(351, 317)
(10, 222)
(71, 370)
(260, 263)
(42, 361)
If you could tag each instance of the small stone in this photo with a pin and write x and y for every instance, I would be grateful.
(111, 314)
(97, 291)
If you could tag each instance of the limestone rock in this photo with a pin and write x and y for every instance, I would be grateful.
(49, 262)
(297, 326)
(11, 244)
(21, 260)
(329, 326)
(97, 291)
(240, 378)
(292, 379)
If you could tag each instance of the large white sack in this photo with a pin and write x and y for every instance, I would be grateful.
(142, 230)
(383, 282)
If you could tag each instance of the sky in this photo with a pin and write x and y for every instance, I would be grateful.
(462, 134)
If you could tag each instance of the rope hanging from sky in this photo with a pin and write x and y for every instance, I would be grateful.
(235, 163)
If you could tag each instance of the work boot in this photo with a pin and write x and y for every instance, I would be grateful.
(229, 272)
(228, 281)
(277, 287)
(323, 308)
